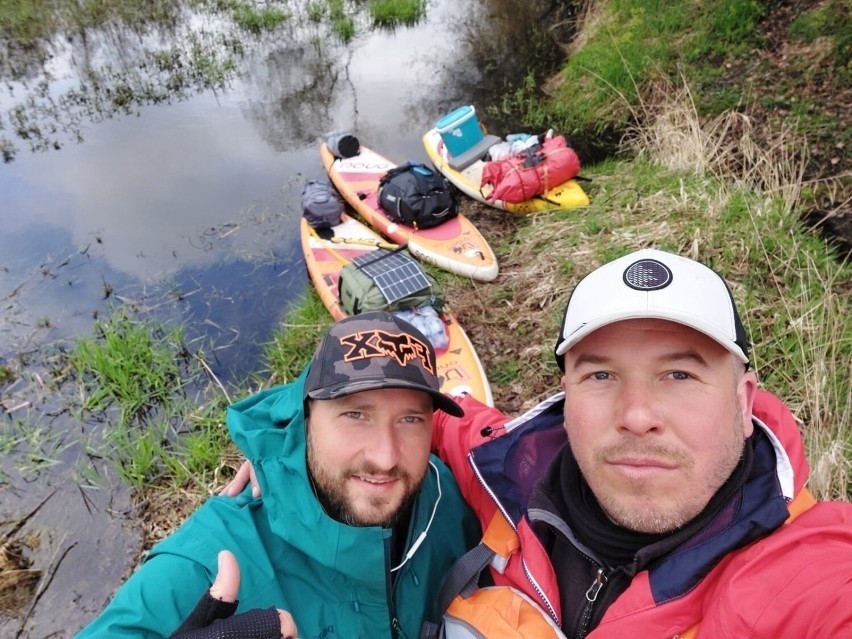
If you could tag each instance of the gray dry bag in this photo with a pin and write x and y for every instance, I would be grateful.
(321, 205)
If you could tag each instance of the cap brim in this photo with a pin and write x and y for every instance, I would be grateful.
(691, 322)
(439, 399)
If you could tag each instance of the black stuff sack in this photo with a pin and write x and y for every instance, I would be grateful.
(321, 205)
(417, 196)
(342, 144)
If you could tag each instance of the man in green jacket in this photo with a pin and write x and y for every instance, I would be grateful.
(357, 525)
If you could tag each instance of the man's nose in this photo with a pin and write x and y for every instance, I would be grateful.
(638, 408)
(383, 447)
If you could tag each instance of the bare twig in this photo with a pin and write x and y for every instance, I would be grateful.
(43, 589)
(213, 377)
(20, 524)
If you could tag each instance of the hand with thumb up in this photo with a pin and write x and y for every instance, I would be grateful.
(214, 618)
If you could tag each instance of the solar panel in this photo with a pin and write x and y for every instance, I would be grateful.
(396, 274)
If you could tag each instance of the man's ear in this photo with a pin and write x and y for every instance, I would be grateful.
(746, 392)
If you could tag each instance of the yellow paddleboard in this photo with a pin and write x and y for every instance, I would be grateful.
(455, 246)
(459, 368)
(567, 195)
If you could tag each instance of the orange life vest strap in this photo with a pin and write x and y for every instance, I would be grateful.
(500, 537)
(801, 502)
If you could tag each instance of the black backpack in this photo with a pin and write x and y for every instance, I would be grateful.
(417, 196)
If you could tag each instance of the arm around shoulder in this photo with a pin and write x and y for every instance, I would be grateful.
(453, 437)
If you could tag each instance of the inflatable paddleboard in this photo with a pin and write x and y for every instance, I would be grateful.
(459, 368)
(455, 246)
(567, 195)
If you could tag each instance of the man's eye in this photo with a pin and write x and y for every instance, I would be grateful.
(353, 414)
(680, 375)
(412, 419)
(600, 375)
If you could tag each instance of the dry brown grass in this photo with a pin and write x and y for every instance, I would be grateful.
(18, 579)
(667, 130)
(161, 509)
(805, 351)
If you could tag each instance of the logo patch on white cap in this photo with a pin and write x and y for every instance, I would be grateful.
(647, 275)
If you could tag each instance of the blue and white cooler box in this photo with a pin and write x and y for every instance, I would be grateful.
(460, 130)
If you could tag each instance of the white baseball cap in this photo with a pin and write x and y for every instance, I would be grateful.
(656, 285)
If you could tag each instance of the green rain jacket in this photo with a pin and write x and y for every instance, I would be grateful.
(334, 579)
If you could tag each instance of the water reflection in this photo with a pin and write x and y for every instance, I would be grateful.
(235, 307)
(494, 46)
(293, 89)
(87, 75)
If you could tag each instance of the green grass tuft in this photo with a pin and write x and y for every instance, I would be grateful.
(127, 364)
(389, 13)
(831, 20)
(132, 376)
(296, 339)
(257, 20)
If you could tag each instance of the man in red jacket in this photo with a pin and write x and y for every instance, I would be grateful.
(677, 507)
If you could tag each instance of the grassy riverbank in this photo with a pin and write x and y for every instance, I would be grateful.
(732, 129)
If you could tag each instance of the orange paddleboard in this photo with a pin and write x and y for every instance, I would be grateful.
(455, 246)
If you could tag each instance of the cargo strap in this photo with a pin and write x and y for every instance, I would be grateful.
(463, 578)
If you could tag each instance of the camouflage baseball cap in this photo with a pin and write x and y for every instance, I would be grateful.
(375, 350)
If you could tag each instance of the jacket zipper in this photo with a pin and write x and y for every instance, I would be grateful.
(394, 622)
(591, 597)
(396, 628)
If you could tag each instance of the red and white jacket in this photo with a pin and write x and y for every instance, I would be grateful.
(794, 581)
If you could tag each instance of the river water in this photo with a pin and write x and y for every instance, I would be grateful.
(191, 206)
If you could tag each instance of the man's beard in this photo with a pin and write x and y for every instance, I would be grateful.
(663, 520)
(330, 489)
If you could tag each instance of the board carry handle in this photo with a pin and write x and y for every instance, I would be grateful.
(364, 242)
